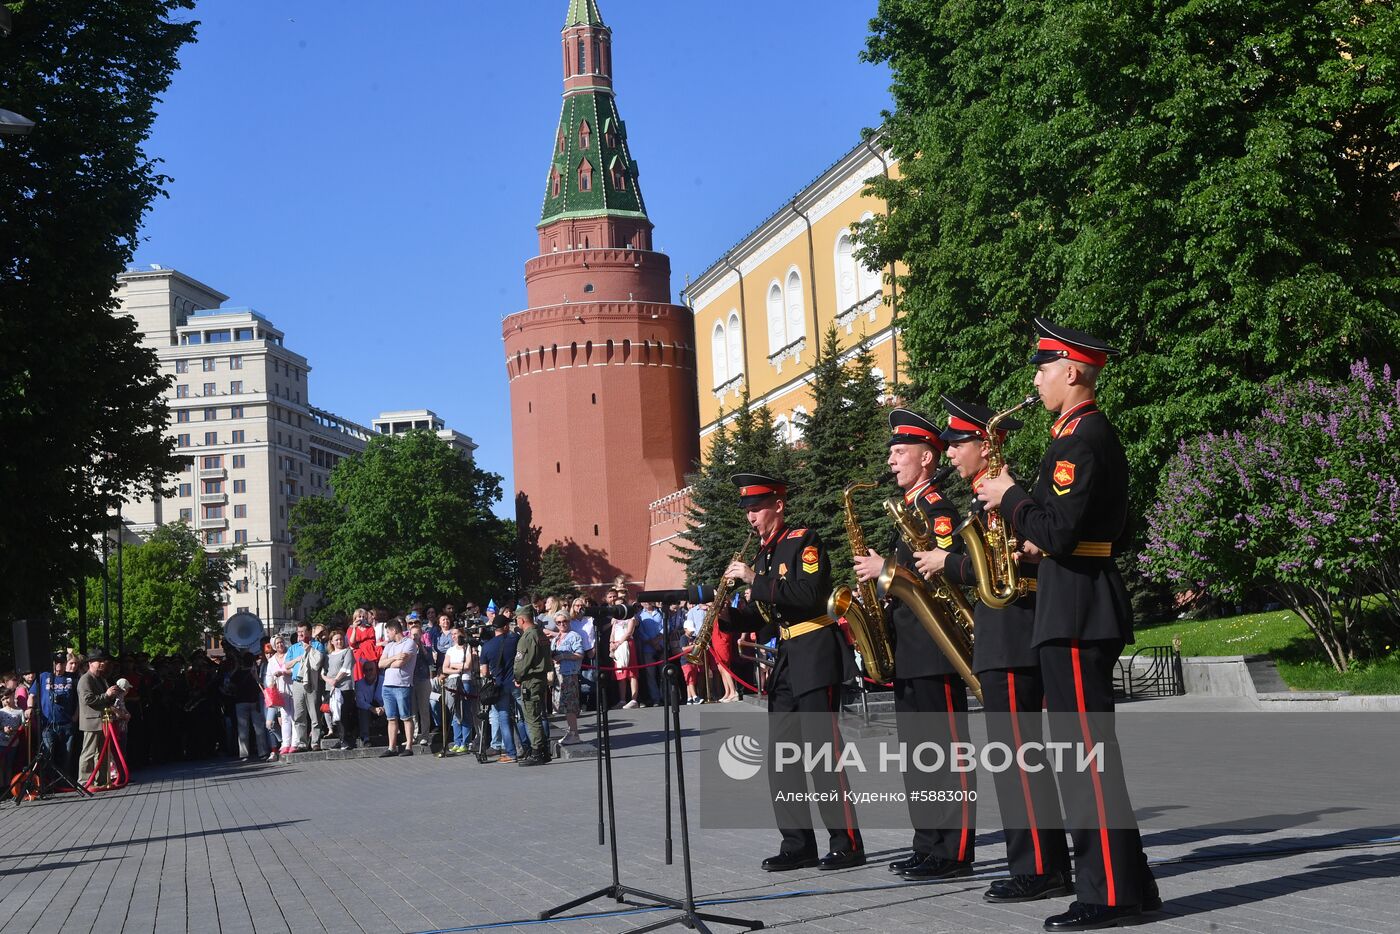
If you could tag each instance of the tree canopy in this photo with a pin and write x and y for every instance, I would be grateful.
(172, 588)
(407, 519)
(82, 407)
(1212, 187)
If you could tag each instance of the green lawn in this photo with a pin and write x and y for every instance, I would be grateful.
(1282, 635)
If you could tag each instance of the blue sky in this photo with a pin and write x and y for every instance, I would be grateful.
(368, 175)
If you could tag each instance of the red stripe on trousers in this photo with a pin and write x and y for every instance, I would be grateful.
(841, 775)
(1098, 789)
(962, 776)
(1025, 780)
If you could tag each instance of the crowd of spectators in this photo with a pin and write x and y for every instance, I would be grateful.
(479, 682)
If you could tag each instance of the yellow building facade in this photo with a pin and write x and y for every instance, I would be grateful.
(762, 308)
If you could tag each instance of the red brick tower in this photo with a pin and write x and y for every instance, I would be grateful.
(601, 363)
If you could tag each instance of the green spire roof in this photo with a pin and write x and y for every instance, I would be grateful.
(583, 13)
(607, 184)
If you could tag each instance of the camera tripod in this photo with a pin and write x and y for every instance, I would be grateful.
(34, 781)
(674, 688)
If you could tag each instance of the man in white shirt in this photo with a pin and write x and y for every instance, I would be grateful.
(397, 661)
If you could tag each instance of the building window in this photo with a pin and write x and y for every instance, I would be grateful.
(212, 486)
(777, 326)
(185, 489)
(209, 364)
(211, 437)
(183, 415)
(846, 282)
(241, 586)
(182, 391)
(780, 429)
(214, 512)
(240, 486)
(585, 135)
(186, 515)
(597, 59)
(212, 462)
(182, 441)
(213, 536)
(719, 355)
(208, 389)
(182, 366)
(235, 362)
(240, 536)
(236, 386)
(795, 327)
(189, 339)
(239, 460)
(240, 511)
(211, 415)
(582, 57)
(218, 337)
(733, 351)
(243, 334)
(799, 419)
(585, 176)
(238, 437)
(869, 283)
(236, 412)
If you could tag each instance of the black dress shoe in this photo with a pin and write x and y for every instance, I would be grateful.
(1084, 917)
(844, 859)
(936, 867)
(1151, 898)
(908, 862)
(787, 861)
(388, 753)
(1029, 888)
(530, 761)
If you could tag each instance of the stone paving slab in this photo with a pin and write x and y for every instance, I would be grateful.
(427, 844)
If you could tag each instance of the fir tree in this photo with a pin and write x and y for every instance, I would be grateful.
(748, 443)
(555, 580)
(844, 439)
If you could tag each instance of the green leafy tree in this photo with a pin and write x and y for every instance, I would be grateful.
(82, 407)
(844, 441)
(1212, 186)
(555, 580)
(747, 443)
(407, 519)
(172, 588)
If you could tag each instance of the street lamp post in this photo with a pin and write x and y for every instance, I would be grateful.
(121, 589)
(106, 602)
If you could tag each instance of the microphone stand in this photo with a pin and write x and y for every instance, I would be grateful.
(673, 681)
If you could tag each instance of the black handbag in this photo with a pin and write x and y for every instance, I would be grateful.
(489, 692)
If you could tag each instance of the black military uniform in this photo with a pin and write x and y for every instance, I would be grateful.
(1007, 664)
(1078, 516)
(789, 593)
(930, 698)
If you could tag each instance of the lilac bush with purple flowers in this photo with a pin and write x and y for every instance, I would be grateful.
(1303, 504)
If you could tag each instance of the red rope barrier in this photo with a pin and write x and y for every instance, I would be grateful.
(120, 774)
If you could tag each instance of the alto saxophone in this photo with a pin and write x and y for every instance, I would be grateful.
(866, 618)
(914, 528)
(990, 543)
(697, 652)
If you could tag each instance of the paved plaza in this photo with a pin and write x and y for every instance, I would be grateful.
(424, 844)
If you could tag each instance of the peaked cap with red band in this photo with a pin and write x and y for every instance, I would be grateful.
(967, 421)
(1062, 343)
(754, 488)
(908, 427)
